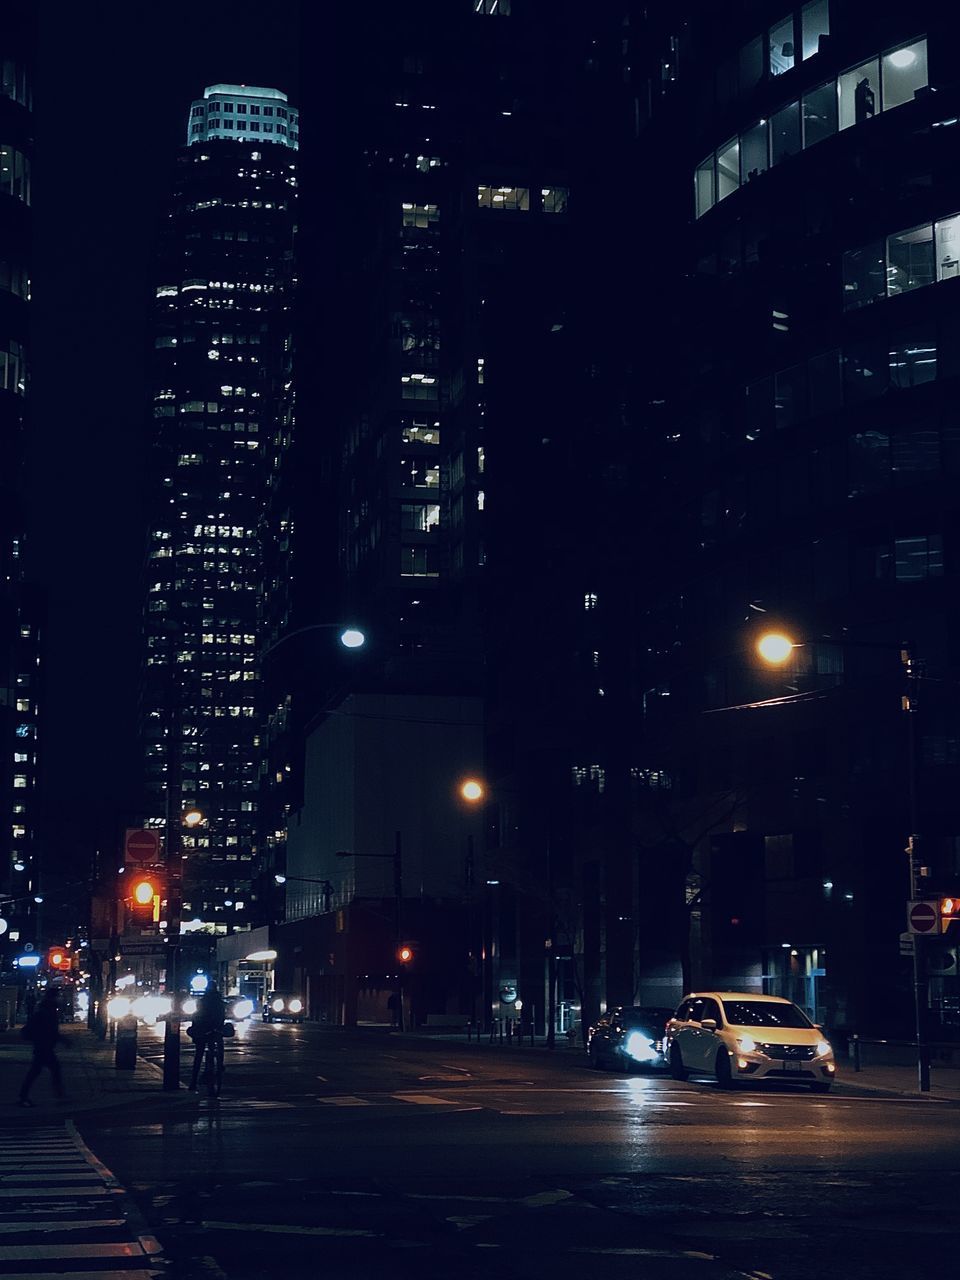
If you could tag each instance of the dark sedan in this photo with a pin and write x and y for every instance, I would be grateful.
(627, 1038)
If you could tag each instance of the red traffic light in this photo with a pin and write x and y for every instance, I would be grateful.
(59, 958)
(405, 954)
(143, 897)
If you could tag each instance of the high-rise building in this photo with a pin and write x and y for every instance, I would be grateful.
(221, 402)
(463, 383)
(19, 611)
(817, 440)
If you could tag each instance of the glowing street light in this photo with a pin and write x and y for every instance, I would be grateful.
(192, 817)
(352, 638)
(471, 790)
(775, 647)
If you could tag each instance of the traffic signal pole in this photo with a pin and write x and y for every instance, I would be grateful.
(909, 704)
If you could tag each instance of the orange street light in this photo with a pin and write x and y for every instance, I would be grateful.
(775, 647)
(192, 818)
(471, 790)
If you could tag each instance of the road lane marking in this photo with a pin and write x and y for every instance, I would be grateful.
(43, 1252)
(347, 1100)
(8, 1227)
(281, 1229)
(426, 1099)
(543, 1198)
(32, 1193)
(647, 1253)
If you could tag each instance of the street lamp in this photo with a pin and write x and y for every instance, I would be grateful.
(471, 790)
(325, 886)
(775, 648)
(350, 637)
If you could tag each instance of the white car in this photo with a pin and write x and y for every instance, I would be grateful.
(737, 1035)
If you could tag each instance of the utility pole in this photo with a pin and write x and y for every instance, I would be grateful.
(909, 704)
(398, 901)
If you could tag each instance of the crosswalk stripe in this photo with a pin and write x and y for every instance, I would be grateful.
(43, 1176)
(25, 1225)
(43, 1252)
(87, 1275)
(31, 1193)
(346, 1101)
(427, 1098)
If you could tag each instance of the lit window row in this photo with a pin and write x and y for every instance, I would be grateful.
(904, 261)
(879, 84)
(14, 173)
(517, 199)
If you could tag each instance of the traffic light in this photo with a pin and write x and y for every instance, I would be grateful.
(144, 898)
(59, 958)
(405, 954)
(950, 915)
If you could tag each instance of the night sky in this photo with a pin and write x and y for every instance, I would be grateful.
(115, 82)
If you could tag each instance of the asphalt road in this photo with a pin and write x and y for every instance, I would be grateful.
(357, 1155)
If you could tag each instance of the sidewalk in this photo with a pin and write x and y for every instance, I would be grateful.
(90, 1079)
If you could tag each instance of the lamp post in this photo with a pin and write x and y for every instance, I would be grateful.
(173, 858)
(776, 648)
(472, 792)
(326, 887)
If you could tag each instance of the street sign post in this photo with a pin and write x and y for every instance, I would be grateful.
(923, 917)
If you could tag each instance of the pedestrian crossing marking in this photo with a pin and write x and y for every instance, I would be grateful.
(347, 1100)
(52, 1186)
(425, 1098)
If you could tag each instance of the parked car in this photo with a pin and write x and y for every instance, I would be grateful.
(280, 1004)
(627, 1038)
(737, 1035)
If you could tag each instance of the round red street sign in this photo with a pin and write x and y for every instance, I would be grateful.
(923, 918)
(142, 845)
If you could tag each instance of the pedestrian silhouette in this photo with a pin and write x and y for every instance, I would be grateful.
(42, 1029)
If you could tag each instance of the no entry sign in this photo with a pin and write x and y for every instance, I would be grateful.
(923, 917)
(141, 846)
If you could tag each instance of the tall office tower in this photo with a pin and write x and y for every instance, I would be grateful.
(222, 396)
(819, 435)
(465, 377)
(19, 615)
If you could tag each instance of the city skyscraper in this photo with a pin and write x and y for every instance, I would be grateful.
(20, 694)
(221, 403)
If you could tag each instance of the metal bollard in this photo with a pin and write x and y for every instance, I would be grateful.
(125, 1054)
(855, 1040)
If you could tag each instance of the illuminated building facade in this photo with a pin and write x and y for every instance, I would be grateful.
(222, 395)
(19, 614)
(817, 427)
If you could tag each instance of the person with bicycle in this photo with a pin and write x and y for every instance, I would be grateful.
(207, 1030)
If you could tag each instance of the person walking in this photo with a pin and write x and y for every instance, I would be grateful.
(42, 1029)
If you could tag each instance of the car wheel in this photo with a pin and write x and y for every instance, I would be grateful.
(722, 1069)
(822, 1086)
(677, 1069)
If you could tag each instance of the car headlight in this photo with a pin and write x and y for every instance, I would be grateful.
(242, 1008)
(295, 1006)
(747, 1044)
(189, 1006)
(277, 1006)
(118, 1007)
(823, 1048)
(640, 1047)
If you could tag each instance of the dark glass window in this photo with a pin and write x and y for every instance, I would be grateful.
(860, 93)
(814, 22)
(790, 395)
(751, 65)
(823, 378)
(910, 262)
(918, 558)
(820, 113)
(782, 49)
(865, 371)
(753, 151)
(785, 133)
(913, 361)
(869, 456)
(864, 275)
(915, 454)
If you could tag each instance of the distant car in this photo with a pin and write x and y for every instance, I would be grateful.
(239, 1008)
(627, 1038)
(280, 1005)
(738, 1035)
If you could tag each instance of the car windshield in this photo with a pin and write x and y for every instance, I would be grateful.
(647, 1017)
(758, 1013)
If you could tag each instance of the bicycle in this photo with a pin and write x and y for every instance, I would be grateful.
(211, 1064)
